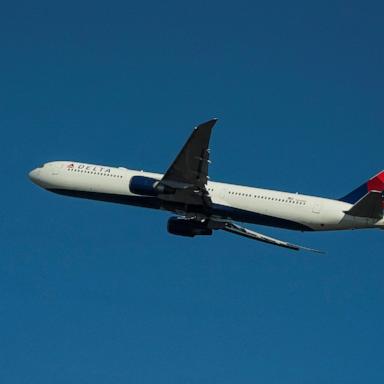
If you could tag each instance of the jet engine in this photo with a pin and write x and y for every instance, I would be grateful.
(141, 185)
(189, 228)
(148, 186)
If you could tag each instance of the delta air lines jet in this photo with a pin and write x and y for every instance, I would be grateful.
(202, 206)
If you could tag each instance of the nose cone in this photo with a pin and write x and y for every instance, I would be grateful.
(34, 175)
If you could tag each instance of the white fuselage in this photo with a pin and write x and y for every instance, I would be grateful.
(241, 203)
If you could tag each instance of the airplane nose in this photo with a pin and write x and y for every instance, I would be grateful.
(34, 175)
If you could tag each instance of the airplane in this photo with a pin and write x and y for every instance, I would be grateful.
(202, 206)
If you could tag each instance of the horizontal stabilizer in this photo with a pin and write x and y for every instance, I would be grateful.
(234, 228)
(370, 205)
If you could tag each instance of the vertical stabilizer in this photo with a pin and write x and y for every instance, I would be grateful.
(375, 183)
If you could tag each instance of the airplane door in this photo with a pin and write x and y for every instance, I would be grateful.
(223, 193)
(316, 208)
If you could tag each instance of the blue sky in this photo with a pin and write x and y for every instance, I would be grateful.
(94, 292)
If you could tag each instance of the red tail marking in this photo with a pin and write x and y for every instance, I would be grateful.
(376, 183)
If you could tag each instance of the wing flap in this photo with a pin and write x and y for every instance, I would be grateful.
(370, 205)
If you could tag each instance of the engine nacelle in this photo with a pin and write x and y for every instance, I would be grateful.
(148, 186)
(189, 228)
(141, 185)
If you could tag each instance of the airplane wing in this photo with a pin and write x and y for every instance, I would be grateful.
(370, 205)
(236, 229)
(188, 174)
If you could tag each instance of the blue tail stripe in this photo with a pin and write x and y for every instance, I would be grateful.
(356, 194)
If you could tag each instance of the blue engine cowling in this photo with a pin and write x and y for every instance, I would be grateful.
(148, 186)
(141, 185)
(189, 228)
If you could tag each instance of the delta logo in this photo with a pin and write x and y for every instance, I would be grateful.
(89, 168)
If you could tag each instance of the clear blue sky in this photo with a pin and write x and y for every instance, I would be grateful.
(98, 293)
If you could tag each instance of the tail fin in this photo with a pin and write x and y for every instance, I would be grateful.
(376, 183)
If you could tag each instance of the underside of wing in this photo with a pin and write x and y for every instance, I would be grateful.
(238, 230)
(192, 226)
(188, 174)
